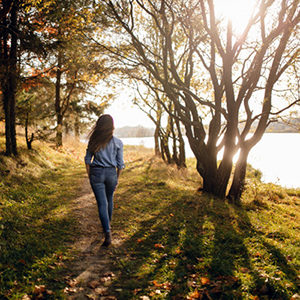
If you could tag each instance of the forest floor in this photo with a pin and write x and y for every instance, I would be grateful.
(169, 241)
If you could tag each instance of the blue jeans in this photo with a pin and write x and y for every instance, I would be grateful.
(104, 182)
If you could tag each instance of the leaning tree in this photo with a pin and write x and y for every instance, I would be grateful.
(224, 84)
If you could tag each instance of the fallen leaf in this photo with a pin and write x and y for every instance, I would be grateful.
(171, 215)
(49, 292)
(155, 283)
(91, 296)
(160, 246)
(100, 291)
(70, 290)
(72, 282)
(38, 289)
(245, 270)
(205, 280)
(195, 295)
(22, 261)
(93, 284)
(109, 274)
(136, 291)
(164, 285)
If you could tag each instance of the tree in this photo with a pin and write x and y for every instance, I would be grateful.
(219, 82)
(77, 66)
(8, 66)
(17, 36)
(150, 104)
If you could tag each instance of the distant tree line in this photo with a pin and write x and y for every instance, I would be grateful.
(134, 131)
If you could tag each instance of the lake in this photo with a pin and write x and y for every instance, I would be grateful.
(277, 156)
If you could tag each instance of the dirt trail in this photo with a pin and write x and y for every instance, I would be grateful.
(91, 272)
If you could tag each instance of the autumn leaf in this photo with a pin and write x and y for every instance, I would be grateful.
(245, 270)
(205, 280)
(160, 246)
(195, 295)
(136, 291)
(93, 284)
(38, 289)
(156, 283)
(22, 261)
(164, 285)
(178, 251)
(72, 282)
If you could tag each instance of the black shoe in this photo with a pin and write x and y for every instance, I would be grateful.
(107, 240)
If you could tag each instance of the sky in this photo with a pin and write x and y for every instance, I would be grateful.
(125, 113)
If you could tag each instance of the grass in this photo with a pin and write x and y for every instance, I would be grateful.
(36, 220)
(182, 244)
(177, 243)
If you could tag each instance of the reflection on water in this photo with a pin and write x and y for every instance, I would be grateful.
(276, 156)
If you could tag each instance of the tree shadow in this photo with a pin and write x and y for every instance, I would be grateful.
(188, 244)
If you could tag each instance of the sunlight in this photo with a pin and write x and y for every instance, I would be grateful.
(238, 11)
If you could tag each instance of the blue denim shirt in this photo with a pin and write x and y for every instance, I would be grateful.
(110, 156)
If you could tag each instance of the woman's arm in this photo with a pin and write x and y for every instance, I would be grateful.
(118, 172)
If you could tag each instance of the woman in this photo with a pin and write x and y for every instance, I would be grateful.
(104, 162)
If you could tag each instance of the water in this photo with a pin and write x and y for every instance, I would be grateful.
(277, 156)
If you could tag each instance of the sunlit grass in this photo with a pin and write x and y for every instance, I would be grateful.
(35, 218)
(187, 245)
(176, 243)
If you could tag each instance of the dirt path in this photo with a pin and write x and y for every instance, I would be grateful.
(91, 273)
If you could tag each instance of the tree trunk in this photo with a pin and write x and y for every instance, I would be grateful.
(58, 105)
(238, 182)
(77, 127)
(9, 81)
(165, 149)
(181, 158)
(28, 140)
(157, 130)
(156, 140)
(59, 130)
(67, 128)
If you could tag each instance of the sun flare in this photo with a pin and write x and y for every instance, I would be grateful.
(238, 11)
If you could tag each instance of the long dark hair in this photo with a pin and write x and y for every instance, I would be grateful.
(101, 134)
